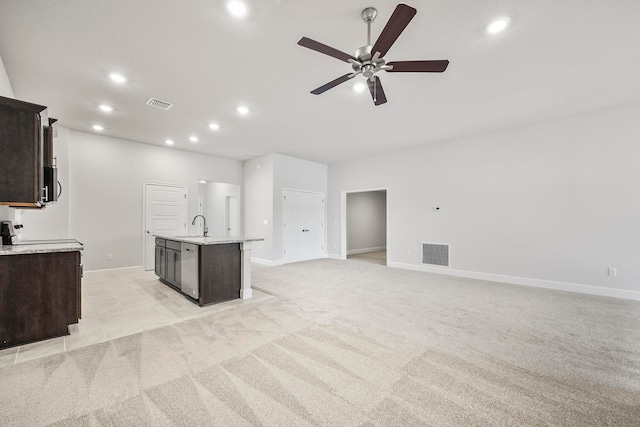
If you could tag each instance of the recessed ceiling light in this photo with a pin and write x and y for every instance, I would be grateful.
(118, 78)
(193, 138)
(498, 25)
(202, 181)
(214, 126)
(169, 142)
(106, 108)
(242, 110)
(98, 128)
(237, 8)
(359, 87)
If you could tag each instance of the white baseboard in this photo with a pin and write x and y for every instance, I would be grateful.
(366, 250)
(524, 281)
(117, 268)
(267, 262)
(336, 256)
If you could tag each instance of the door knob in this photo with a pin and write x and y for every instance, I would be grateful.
(148, 231)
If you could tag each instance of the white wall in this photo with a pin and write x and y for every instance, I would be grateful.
(104, 193)
(366, 221)
(554, 202)
(258, 204)
(5, 84)
(265, 180)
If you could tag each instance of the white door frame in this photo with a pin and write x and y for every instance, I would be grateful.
(343, 219)
(144, 212)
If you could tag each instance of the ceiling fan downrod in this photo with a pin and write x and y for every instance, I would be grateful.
(369, 15)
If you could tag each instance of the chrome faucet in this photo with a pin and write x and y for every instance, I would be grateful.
(204, 223)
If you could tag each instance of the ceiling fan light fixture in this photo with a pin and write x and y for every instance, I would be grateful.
(498, 25)
(237, 8)
(359, 87)
(118, 78)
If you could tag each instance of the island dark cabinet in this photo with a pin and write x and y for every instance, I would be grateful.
(22, 128)
(167, 259)
(39, 296)
(160, 263)
(219, 273)
(207, 274)
(173, 261)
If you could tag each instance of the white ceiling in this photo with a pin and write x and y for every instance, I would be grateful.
(557, 58)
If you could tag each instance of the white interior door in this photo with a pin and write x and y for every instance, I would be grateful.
(165, 212)
(303, 215)
(232, 215)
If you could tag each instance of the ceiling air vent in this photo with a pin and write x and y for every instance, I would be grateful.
(163, 105)
(435, 254)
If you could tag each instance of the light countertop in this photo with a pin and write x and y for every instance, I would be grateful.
(210, 240)
(26, 247)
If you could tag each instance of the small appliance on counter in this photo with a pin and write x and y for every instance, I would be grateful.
(7, 232)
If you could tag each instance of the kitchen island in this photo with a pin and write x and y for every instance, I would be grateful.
(207, 270)
(40, 290)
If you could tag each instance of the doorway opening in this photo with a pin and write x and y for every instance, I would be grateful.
(364, 226)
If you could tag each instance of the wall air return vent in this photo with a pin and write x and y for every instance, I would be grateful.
(163, 105)
(435, 254)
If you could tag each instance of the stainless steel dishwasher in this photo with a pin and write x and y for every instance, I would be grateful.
(189, 266)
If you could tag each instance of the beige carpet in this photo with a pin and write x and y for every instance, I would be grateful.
(353, 343)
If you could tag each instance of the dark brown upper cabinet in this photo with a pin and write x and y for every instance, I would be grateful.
(50, 164)
(22, 154)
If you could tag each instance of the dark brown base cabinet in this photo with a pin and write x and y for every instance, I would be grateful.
(219, 273)
(167, 266)
(219, 270)
(39, 296)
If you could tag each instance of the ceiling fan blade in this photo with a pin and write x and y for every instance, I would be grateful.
(395, 26)
(418, 66)
(333, 84)
(377, 93)
(323, 48)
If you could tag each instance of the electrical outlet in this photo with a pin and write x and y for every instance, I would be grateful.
(612, 271)
(109, 257)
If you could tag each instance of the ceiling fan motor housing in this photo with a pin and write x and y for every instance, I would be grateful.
(366, 62)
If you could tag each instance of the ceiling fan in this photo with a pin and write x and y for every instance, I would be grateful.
(369, 59)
